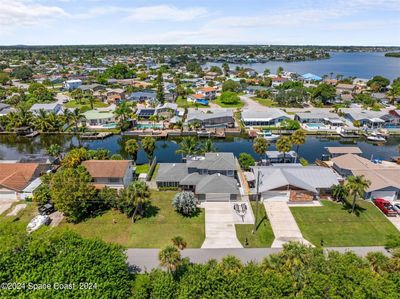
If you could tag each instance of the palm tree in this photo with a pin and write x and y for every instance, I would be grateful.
(76, 117)
(188, 146)
(132, 148)
(179, 242)
(55, 150)
(260, 146)
(356, 186)
(153, 119)
(123, 112)
(298, 138)
(91, 99)
(134, 197)
(284, 145)
(149, 146)
(41, 121)
(208, 147)
(339, 192)
(170, 258)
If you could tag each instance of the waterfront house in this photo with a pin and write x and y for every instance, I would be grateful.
(383, 176)
(97, 117)
(49, 108)
(272, 157)
(283, 182)
(367, 118)
(167, 110)
(211, 177)
(336, 151)
(145, 112)
(215, 118)
(110, 173)
(319, 116)
(18, 180)
(267, 117)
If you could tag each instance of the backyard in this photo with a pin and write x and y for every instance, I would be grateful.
(84, 105)
(263, 236)
(239, 104)
(153, 231)
(266, 102)
(184, 103)
(333, 224)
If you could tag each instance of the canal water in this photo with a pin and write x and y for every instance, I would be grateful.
(14, 147)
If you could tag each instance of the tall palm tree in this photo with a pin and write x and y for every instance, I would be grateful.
(132, 148)
(41, 121)
(298, 138)
(76, 117)
(179, 242)
(170, 258)
(122, 112)
(149, 146)
(260, 146)
(55, 151)
(134, 197)
(208, 147)
(284, 145)
(188, 146)
(90, 98)
(357, 186)
(153, 119)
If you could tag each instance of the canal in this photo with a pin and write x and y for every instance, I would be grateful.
(13, 147)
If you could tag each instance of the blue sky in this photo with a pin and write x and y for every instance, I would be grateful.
(330, 22)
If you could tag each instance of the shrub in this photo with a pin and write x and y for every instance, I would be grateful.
(185, 203)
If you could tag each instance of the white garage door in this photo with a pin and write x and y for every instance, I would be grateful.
(7, 195)
(276, 196)
(217, 197)
(388, 195)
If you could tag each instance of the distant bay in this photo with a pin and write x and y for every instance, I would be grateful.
(355, 64)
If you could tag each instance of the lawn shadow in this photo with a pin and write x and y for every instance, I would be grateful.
(261, 221)
(192, 215)
(150, 211)
(357, 209)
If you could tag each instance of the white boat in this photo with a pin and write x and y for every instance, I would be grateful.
(376, 137)
(37, 222)
(267, 134)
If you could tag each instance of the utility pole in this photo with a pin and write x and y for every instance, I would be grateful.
(257, 200)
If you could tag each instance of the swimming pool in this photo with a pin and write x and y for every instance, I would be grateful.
(316, 125)
(149, 126)
(110, 126)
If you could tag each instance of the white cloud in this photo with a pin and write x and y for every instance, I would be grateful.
(24, 13)
(166, 13)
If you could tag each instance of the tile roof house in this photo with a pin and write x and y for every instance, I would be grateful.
(384, 177)
(111, 173)
(211, 177)
(209, 93)
(19, 178)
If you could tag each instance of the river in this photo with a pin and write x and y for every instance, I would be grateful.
(13, 147)
(357, 64)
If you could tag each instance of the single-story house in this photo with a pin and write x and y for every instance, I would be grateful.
(110, 173)
(18, 180)
(272, 157)
(142, 96)
(284, 178)
(311, 77)
(72, 84)
(267, 117)
(211, 177)
(321, 116)
(51, 107)
(198, 98)
(145, 112)
(167, 110)
(384, 177)
(215, 118)
(368, 118)
(345, 88)
(97, 117)
(336, 151)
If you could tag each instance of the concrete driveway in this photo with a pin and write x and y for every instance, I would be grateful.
(283, 224)
(249, 103)
(220, 226)
(5, 205)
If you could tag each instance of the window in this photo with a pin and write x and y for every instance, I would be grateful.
(114, 180)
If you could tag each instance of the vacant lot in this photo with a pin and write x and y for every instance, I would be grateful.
(154, 231)
(333, 224)
(263, 237)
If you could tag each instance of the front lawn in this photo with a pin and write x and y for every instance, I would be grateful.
(266, 102)
(263, 237)
(333, 224)
(144, 168)
(23, 217)
(85, 105)
(239, 104)
(153, 231)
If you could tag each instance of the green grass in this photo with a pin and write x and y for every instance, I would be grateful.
(23, 217)
(337, 227)
(144, 168)
(183, 103)
(154, 231)
(240, 104)
(263, 237)
(266, 102)
(85, 105)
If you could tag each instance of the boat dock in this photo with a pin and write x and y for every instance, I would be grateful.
(96, 135)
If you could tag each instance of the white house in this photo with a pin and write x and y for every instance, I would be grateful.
(72, 84)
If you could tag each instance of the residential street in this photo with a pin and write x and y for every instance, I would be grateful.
(142, 260)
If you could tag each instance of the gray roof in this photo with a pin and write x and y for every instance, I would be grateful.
(171, 172)
(317, 114)
(217, 183)
(192, 179)
(359, 114)
(308, 178)
(213, 162)
(278, 154)
(267, 114)
(216, 113)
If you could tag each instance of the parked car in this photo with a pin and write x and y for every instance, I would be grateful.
(37, 222)
(46, 209)
(386, 207)
(396, 206)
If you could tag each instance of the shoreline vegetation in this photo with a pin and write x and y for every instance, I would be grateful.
(393, 54)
